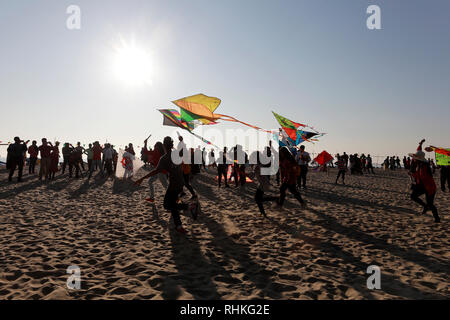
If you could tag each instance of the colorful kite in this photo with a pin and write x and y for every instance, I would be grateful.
(445, 152)
(173, 118)
(201, 107)
(442, 155)
(296, 135)
(323, 158)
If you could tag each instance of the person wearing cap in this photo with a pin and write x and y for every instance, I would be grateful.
(423, 182)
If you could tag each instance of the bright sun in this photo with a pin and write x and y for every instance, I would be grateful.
(132, 65)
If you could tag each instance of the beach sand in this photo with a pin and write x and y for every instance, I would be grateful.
(126, 248)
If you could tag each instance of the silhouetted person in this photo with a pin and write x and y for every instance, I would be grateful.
(16, 155)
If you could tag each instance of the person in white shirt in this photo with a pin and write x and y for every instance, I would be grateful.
(303, 159)
(108, 155)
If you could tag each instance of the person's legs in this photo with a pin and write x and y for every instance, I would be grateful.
(41, 169)
(20, 165)
(430, 205)
(45, 163)
(443, 178)
(170, 203)
(260, 198)
(338, 175)
(108, 166)
(151, 188)
(77, 170)
(448, 177)
(188, 185)
(418, 191)
(13, 164)
(81, 163)
(70, 169)
(89, 164)
(283, 189)
(343, 176)
(101, 167)
(32, 165)
(219, 175)
(296, 194)
(303, 173)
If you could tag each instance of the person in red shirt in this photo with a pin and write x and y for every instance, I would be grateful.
(54, 156)
(45, 151)
(33, 151)
(97, 158)
(423, 182)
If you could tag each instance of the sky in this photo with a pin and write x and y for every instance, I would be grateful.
(314, 62)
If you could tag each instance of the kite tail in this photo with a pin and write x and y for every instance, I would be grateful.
(231, 119)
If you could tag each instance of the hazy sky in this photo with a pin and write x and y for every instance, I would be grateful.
(315, 61)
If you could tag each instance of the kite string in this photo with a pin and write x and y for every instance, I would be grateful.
(231, 119)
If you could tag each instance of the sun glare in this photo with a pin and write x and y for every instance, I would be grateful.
(132, 65)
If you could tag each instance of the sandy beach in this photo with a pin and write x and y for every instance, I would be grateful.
(126, 248)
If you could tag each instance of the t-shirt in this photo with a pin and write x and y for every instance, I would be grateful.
(108, 154)
(33, 151)
(153, 156)
(17, 150)
(303, 158)
(66, 151)
(45, 151)
(90, 153)
(97, 153)
(176, 180)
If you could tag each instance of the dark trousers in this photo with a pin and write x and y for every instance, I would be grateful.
(32, 165)
(445, 177)
(301, 179)
(242, 176)
(89, 164)
(65, 163)
(108, 166)
(170, 203)
(260, 199)
(417, 191)
(370, 169)
(15, 162)
(222, 171)
(81, 163)
(234, 173)
(341, 173)
(73, 165)
(292, 188)
(187, 184)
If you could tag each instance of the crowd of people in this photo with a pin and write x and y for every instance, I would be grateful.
(232, 166)
(101, 158)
